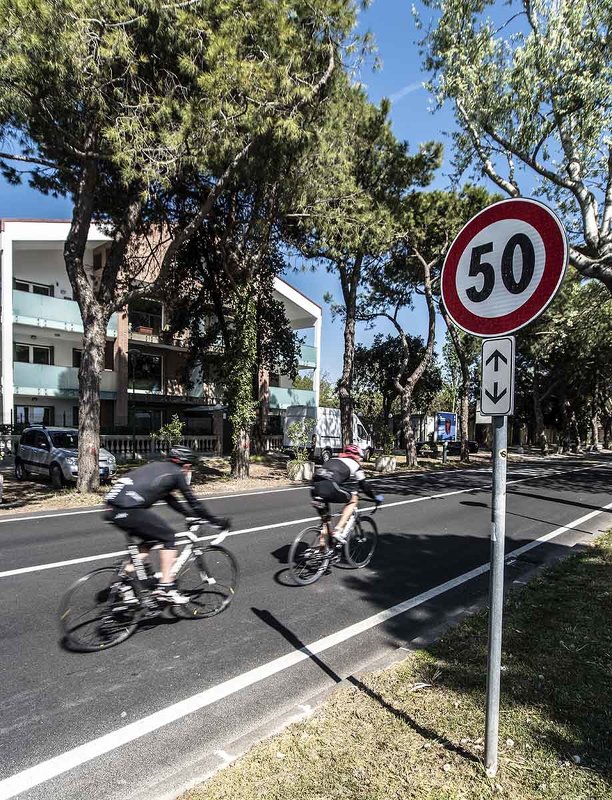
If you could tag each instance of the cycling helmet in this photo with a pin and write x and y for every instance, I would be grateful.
(182, 455)
(353, 451)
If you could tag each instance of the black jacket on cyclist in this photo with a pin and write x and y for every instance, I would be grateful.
(345, 473)
(147, 485)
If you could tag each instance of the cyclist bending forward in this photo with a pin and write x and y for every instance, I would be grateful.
(129, 508)
(340, 480)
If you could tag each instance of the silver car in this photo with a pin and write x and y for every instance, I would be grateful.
(53, 452)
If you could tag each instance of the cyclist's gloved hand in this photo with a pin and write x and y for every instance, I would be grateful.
(379, 498)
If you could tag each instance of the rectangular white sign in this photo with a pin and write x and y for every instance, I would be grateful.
(497, 384)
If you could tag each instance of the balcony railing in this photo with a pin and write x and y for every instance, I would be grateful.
(308, 356)
(51, 312)
(283, 398)
(48, 380)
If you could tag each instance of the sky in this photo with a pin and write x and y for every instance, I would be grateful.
(399, 79)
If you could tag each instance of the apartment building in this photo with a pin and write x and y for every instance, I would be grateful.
(142, 385)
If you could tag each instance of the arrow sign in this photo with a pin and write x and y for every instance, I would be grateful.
(495, 397)
(497, 385)
(497, 356)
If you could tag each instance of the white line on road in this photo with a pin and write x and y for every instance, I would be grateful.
(274, 525)
(46, 770)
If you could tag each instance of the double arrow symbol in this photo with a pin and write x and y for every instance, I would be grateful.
(496, 357)
(495, 398)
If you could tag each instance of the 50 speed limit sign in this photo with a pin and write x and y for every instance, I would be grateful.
(504, 267)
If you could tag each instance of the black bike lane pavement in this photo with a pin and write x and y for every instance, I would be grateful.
(54, 701)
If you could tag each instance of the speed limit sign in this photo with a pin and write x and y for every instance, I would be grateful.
(504, 267)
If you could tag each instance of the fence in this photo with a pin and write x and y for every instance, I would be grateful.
(273, 443)
(144, 446)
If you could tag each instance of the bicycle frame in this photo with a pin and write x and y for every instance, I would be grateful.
(186, 551)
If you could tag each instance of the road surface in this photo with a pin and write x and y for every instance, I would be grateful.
(178, 700)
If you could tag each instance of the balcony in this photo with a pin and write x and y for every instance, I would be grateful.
(283, 398)
(52, 312)
(308, 356)
(45, 380)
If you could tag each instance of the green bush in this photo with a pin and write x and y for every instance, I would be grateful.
(300, 434)
(170, 434)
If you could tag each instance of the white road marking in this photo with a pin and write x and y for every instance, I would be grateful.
(97, 509)
(85, 559)
(46, 770)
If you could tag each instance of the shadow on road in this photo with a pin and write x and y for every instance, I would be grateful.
(299, 645)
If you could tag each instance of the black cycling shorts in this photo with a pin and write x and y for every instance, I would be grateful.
(330, 492)
(144, 523)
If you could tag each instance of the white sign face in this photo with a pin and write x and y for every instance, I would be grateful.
(497, 377)
(504, 267)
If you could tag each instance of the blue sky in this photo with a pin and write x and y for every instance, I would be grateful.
(400, 79)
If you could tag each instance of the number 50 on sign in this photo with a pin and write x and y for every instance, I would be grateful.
(504, 267)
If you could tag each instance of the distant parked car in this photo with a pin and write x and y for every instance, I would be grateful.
(53, 452)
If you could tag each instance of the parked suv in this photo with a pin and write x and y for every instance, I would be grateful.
(53, 452)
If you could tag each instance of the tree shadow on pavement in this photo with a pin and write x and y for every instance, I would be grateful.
(299, 645)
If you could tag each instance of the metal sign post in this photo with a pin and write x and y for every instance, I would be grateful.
(496, 589)
(501, 271)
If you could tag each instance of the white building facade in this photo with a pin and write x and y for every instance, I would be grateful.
(41, 340)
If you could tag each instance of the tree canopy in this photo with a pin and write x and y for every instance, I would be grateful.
(529, 82)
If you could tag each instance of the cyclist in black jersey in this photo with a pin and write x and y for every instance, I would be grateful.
(129, 508)
(340, 480)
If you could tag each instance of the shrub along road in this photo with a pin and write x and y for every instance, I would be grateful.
(179, 699)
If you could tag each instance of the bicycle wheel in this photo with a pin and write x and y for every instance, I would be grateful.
(93, 615)
(360, 545)
(210, 580)
(306, 562)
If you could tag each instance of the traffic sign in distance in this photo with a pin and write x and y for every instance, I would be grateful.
(497, 384)
(504, 267)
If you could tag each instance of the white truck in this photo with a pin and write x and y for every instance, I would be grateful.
(327, 436)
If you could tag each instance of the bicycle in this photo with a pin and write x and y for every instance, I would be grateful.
(105, 607)
(313, 549)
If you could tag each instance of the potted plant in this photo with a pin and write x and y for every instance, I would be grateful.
(300, 435)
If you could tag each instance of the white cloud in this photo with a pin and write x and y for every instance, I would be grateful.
(411, 87)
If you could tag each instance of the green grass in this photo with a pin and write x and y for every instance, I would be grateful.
(388, 737)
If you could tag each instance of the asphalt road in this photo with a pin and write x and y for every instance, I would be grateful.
(180, 698)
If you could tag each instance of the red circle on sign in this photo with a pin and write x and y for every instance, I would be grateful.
(553, 236)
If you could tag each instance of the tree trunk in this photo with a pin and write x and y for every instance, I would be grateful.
(90, 371)
(607, 432)
(464, 412)
(345, 384)
(240, 457)
(539, 419)
(409, 440)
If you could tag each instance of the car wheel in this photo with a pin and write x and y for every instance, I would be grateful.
(21, 472)
(326, 455)
(57, 477)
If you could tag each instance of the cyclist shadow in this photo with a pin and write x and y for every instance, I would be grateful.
(421, 730)
(282, 576)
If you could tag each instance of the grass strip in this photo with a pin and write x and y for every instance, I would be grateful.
(415, 730)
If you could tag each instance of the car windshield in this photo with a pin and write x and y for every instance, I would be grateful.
(65, 439)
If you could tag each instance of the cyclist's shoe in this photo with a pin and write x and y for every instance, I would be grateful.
(339, 536)
(168, 593)
(126, 594)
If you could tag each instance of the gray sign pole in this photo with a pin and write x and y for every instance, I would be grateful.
(496, 591)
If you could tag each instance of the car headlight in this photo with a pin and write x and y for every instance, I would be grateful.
(72, 461)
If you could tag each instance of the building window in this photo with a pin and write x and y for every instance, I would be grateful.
(75, 416)
(33, 354)
(145, 371)
(35, 288)
(34, 415)
(109, 356)
(145, 316)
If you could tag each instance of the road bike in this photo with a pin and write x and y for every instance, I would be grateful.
(313, 550)
(105, 607)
